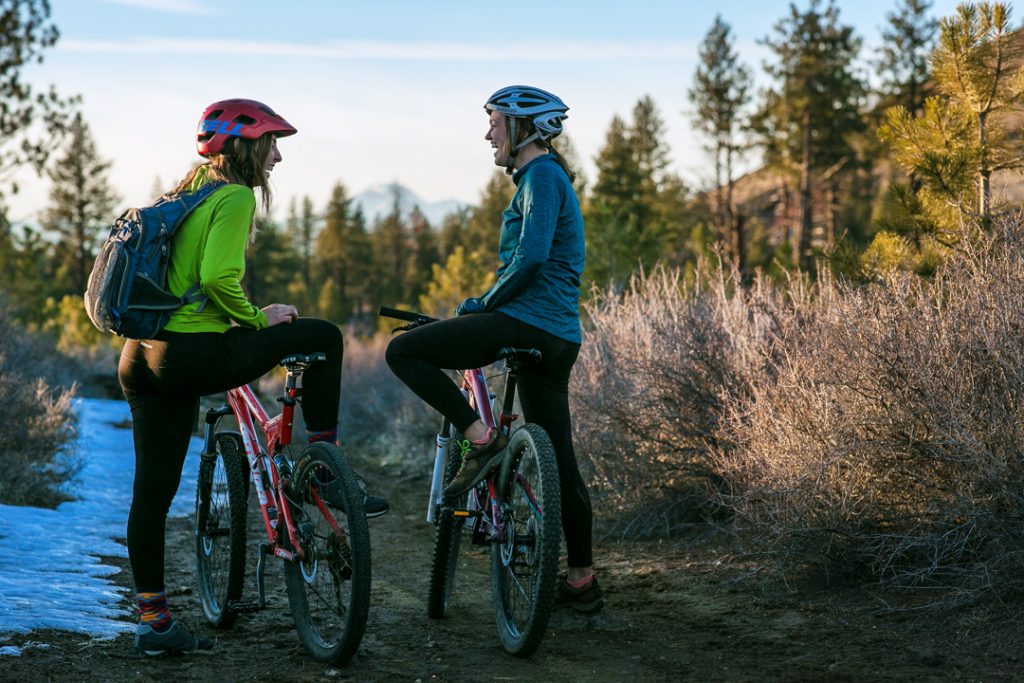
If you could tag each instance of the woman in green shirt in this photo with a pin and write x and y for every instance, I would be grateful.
(213, 345)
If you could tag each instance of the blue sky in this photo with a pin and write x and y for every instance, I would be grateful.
(383, 91)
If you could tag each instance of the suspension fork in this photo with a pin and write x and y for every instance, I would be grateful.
(444, 437)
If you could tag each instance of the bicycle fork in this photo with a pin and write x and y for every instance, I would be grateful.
(440, 463)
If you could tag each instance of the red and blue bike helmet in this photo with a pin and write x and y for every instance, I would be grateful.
(237, 118)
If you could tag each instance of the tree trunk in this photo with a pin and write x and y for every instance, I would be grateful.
(984, 180)
(803, 252)
(735, 226)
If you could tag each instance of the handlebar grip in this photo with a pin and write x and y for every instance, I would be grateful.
(408, 316)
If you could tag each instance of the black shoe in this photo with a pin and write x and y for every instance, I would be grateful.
(477, 461)
(177, 640)
(588, 599)
(373, 506)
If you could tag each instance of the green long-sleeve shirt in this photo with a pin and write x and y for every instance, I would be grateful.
(209, 248)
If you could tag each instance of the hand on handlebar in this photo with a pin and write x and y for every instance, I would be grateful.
(280, 313)
(470, 305)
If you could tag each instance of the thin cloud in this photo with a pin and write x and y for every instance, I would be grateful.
(580, 51)
(173, 6)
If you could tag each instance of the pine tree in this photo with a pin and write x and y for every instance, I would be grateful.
(720, 91)
(423, 255)
(25, 32)
(807, 118)
(963, 136)
(270, 265)
(342, 262)
(633, 208)
(389, 240)
(907, 43)
(483, 231)
(81, 206)
(301, 230)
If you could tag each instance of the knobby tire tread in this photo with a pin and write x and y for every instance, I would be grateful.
(332, 648)
(216, 592)
(447, 541)
(532, 437)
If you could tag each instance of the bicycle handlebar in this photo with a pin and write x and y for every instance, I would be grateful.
(408, 316)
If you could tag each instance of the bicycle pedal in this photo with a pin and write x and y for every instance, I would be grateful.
(466, 513)
(241, 607)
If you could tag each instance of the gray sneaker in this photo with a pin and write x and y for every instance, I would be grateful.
(477, 461)
(177, 640)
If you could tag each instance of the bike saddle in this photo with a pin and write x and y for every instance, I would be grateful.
(521, 355)
(302, 360)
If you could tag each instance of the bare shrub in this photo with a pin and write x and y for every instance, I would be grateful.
(657, 366)
(887, 442)
(36, 423)
(379, 414)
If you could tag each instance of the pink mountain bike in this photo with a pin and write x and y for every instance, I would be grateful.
(515, 510)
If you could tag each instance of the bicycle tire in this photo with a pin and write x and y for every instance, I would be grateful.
(220, 529)
(447, 542)
(329, 588)
(524, 567)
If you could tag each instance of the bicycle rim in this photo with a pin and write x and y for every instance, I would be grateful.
(329, 586)
(524, 565)
(220, 530)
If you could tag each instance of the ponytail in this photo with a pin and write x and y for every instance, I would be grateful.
(561, 161)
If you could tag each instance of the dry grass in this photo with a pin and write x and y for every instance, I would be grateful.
(874, 430)
(36, 422)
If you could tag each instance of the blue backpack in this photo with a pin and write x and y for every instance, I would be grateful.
(127, 291)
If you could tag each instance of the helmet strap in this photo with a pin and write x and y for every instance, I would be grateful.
(512, 126)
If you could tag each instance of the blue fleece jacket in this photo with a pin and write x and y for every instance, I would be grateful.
(541, 252)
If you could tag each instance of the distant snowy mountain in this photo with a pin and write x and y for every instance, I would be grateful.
(377, 201)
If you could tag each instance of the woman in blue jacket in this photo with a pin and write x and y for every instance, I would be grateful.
(534, 303)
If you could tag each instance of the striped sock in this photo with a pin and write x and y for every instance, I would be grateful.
(328, 435)
(155, 612)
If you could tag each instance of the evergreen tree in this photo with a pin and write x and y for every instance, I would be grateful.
(483, 231)
(389, 240)
(633, 209)
(463, 275)
(81, 206)
(301, 230)
(907, 43)
(423, 255)
(720, 91)
(25, 32)
(611, 219)
(807, 118)
(963, 134)
(270, 265)
(342, 258)
(453, 229)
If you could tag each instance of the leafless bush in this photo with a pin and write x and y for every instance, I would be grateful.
(36, 423)
(379, 414)
(657, 367)
(887, 442)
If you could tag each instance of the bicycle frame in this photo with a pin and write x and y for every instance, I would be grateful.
(263, 467)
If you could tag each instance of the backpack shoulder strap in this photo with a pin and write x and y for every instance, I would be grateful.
(188, 201)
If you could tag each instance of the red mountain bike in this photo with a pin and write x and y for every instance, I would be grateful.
(516, 509)
(326, 552)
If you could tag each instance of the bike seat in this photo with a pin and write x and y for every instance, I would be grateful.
(302, 360)
(521, 355)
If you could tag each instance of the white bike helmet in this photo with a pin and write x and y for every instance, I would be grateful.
(543, 109)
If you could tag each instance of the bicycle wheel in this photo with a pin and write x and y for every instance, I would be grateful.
(524, 566)
(329, 586)
(220, 529)
(447, 541)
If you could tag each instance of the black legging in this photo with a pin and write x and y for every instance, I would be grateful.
(472, 341)
(163, 379)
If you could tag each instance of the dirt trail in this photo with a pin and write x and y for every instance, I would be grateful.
(675, 613)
